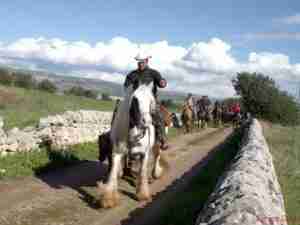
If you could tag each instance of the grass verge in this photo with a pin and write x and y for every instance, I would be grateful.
(36, 162)
(284, 144)
(41, 161)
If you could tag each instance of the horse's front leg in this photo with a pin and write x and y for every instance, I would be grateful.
(160, 164)
(142, 191)
(109, 196)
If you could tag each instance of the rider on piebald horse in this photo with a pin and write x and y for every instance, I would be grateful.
(145, 75)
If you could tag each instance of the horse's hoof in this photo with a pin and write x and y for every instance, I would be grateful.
(143, 196)
(110, 200)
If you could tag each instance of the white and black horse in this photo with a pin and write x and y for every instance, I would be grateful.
(132, 134)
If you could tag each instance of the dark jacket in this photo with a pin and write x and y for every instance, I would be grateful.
(146, 76)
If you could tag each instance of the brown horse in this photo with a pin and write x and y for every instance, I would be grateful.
(167, 116)
(187, 118)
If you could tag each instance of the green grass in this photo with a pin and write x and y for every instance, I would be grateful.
(40, 161)
(284, 143)
(20, 107)
(184, 209)
(36, 162)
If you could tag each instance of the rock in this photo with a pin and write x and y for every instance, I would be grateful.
(13, 132)
(29, 129)
(61, 131)
(249, 192)
(1, 122)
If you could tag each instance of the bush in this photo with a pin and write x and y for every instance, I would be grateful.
(6, 77)
(47, 85)
(262, 98)
(106, 97)
(80, 91)
(24, 80)
(90, 94)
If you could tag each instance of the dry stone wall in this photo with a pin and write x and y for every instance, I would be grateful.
(249, 192)
(60, 131)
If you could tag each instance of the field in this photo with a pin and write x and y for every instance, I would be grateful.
(20, 107)
(284, 143)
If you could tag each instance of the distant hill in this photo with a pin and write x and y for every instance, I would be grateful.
(64, 82)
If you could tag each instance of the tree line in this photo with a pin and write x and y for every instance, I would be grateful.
(263, 98)
(26, 80)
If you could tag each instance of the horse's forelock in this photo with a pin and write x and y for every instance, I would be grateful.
(145, 96)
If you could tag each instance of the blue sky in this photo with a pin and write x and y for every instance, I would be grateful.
(179, 22)
(247, 26)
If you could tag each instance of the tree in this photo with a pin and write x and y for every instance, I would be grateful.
(47, 85)
(5, 77)
(80, 91)
(106, 97)
(24, 80)
(90, 94)
(262, 98)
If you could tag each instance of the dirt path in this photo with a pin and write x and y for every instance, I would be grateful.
(68, 196)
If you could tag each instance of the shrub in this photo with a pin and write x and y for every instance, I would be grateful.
(24, 80)
(106, 97)
(47, 85)
(90, 94)
(6, 77)
(80, 91)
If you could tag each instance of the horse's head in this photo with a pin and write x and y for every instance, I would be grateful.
(142, 105)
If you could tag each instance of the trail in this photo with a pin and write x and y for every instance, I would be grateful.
(68, 196)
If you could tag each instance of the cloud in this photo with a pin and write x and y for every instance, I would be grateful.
(202, 68)
(273, 35)
(94, 74)
(294, 19)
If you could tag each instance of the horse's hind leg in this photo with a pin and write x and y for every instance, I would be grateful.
(142, 191)
(109, 196)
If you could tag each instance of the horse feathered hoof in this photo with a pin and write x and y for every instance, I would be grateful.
(108, 198)
(143, 196)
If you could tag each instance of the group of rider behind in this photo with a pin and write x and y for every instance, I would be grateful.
(204, 104)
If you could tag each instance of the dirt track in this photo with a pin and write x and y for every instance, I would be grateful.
(68, 197)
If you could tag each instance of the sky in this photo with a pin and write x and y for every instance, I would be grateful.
(198, 46)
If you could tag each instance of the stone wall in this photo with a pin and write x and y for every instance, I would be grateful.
(61, 131)
(249, 192)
